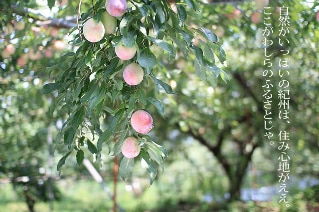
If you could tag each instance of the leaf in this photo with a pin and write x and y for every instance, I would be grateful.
(151, 166)
(62, 160)
(141, 96)
(78, 118)
(92, 148)
(160, 13)
(111, 67)
(126, 168)
(156, 152)
(166, 46)
(182, 13)
(191, 4)
(110, 130)
(214, 69)
(199, 54)
(158, 105)
(210, 35)
(69, 136)
(208, 53)
(129, 39)
(168, 89)
(79, 157)
(51, 3)
(220, 53)
(147, 59)
(49, 88)
(97, 98)
(87, 96)
(224, 76)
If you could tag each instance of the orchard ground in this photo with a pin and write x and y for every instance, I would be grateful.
(76, 198)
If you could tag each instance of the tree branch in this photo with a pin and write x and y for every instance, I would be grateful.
(68, 22)
(242, 82)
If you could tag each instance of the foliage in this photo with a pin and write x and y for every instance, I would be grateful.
(91, 105)
(97, 101)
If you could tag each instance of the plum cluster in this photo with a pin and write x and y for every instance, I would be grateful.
(133, 73)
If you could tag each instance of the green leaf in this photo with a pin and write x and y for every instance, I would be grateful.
(78, 118)
(79, 157)
(156, 152)
(62, 160)
(147, 59)
(92, 148)
(168, 89)
(224, 76)
(182, 13)
(151, 166)
(214, 69)
(69, 136)
(210, 35)
(129, 39)
(97, 97)
(166, 46)
(111, 67)
(199, 54)
(158, 105)
(141, 96)
(126, 168)
(49, 88)
(208, 53)
(94, 87)
(110, 130)
(51, 3)
(192, 4)
(220, 53)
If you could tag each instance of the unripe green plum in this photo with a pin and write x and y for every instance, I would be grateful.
(130, 147)
(93, 31)
(142, 121)
(116, 8)
(125, 53)
(109, 23)
(133, 74)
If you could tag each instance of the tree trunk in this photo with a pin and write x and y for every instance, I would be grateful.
(29, 200)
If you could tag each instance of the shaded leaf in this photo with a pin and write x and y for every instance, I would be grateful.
(79, 157)
(110, 130)
(158, 105)
(126, 167)
(147, 59)
(92, 148)
(49, 88)
(62, 160)
(168, 89)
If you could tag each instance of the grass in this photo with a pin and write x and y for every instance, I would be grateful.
(88, 196)
(82, 196)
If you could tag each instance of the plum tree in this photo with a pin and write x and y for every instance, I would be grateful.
(142, 121)
(130, 147)
(116, 8)
(133, 74)
(109, 23)
(93, 31)
(124, 52)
